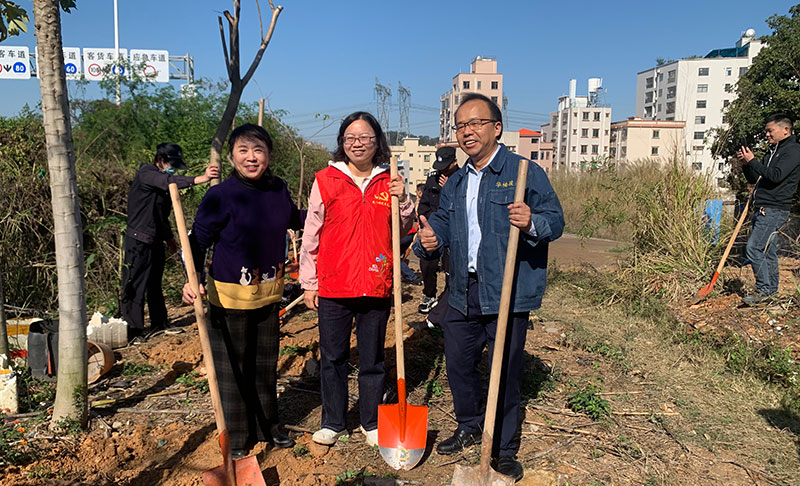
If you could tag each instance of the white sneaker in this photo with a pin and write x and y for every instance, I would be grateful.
(327, 436)
(370, 435)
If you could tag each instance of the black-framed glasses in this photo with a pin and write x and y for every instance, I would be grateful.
(364, 139)
(473, 124)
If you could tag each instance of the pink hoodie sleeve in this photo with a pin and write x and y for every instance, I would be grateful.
(310, 247)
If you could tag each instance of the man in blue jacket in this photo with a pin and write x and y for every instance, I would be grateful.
(475, 212)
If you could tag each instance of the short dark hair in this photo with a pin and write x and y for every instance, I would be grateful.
(494, 110)
(382, 154)
(780, 119)
(251, 131)
(420, 186)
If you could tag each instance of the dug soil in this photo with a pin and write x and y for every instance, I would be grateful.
(673, 414)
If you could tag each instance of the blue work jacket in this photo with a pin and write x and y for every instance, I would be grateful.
(495, 193)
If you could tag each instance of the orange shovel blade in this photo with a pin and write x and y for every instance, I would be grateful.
(248, 473)
(703, 293)
(402, 447)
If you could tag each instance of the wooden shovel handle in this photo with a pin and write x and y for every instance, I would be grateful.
(199, 311)
(502, 322)
(397, 284)
(736, 230)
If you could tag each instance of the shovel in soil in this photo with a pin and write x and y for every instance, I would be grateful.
(240, 472)
(402, 428)
(703, 293)
(483, 474)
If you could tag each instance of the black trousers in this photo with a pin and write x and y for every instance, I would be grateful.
(429, 270)
(141, 278)
(335, 324)
(245, 348)
(465, 337)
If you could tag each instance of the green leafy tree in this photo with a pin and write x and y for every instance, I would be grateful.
(771, 85)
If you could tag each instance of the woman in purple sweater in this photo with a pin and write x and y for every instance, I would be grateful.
(245, 219)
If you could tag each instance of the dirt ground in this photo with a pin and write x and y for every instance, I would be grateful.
(676, 417)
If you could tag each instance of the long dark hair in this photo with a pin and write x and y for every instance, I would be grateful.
(382, 154)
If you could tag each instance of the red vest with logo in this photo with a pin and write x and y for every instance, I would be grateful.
(355, 244)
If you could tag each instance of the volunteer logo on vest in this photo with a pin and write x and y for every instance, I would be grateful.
(382, 260)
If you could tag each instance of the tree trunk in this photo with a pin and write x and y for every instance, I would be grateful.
(70, 403)
(224, 127)
(3, 328)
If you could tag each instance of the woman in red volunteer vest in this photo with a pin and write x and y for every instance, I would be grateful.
(346, 269)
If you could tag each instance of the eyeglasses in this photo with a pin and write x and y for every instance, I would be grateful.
(473, 124)
(364, 139)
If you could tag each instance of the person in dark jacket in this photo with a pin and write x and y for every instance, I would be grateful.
(775, 178)
(476, 211)
(444, 166)
(147, 230)
(245, 219)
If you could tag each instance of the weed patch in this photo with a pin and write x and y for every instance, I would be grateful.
(190, 380)
(586, 400)
(134, 368)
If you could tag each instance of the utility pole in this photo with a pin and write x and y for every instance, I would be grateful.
(404, 130)
(383, 96)
(116, 49)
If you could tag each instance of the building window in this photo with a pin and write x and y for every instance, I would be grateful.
(653, 150)
(494, 84)
(702, 88)
(658, 108)
(742, 71)
(585, 115)
(427, 158)
(698, 149)
(606, 132)
(494, 99)
(661, 76)
(648, 97)
(465, 84)
(725, 103)
(648, 111)
(670, 92)
(728, 71)
(697, 165)
(724, 118)
(456, 100)
(701, 103)
(671, 76)
(584, 132)
(595, 132)
(660, 92)
(623, 151)
(597, 116)
(721, 166)
(699, 120)
(699, 135)
(426, 172)
(595, 149)
(721, 182)
(656, 133)
(574, 131)
(534, 140)
(703, 71)
(534, 155)
(648, 83)
(728, 87)
(584, 148)
(479, 85)
(670, 107)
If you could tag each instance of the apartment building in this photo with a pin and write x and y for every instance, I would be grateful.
(580, 131)
(697, 90)
(637, 139)
(533, 147)
(482, 78)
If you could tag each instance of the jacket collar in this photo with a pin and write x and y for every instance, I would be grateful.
(496, 164)
(790, 139)
(343, 170)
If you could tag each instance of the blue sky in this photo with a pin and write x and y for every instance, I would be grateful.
(325, 55)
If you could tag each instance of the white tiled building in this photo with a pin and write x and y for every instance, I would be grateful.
(696, 90)
(580, 129)
(482, 78)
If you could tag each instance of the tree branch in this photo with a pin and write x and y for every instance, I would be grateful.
(276, 11)
(260, 22)
(224, 47)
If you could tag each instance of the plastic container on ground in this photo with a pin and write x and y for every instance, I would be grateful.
(9, 399)
(112, 332)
